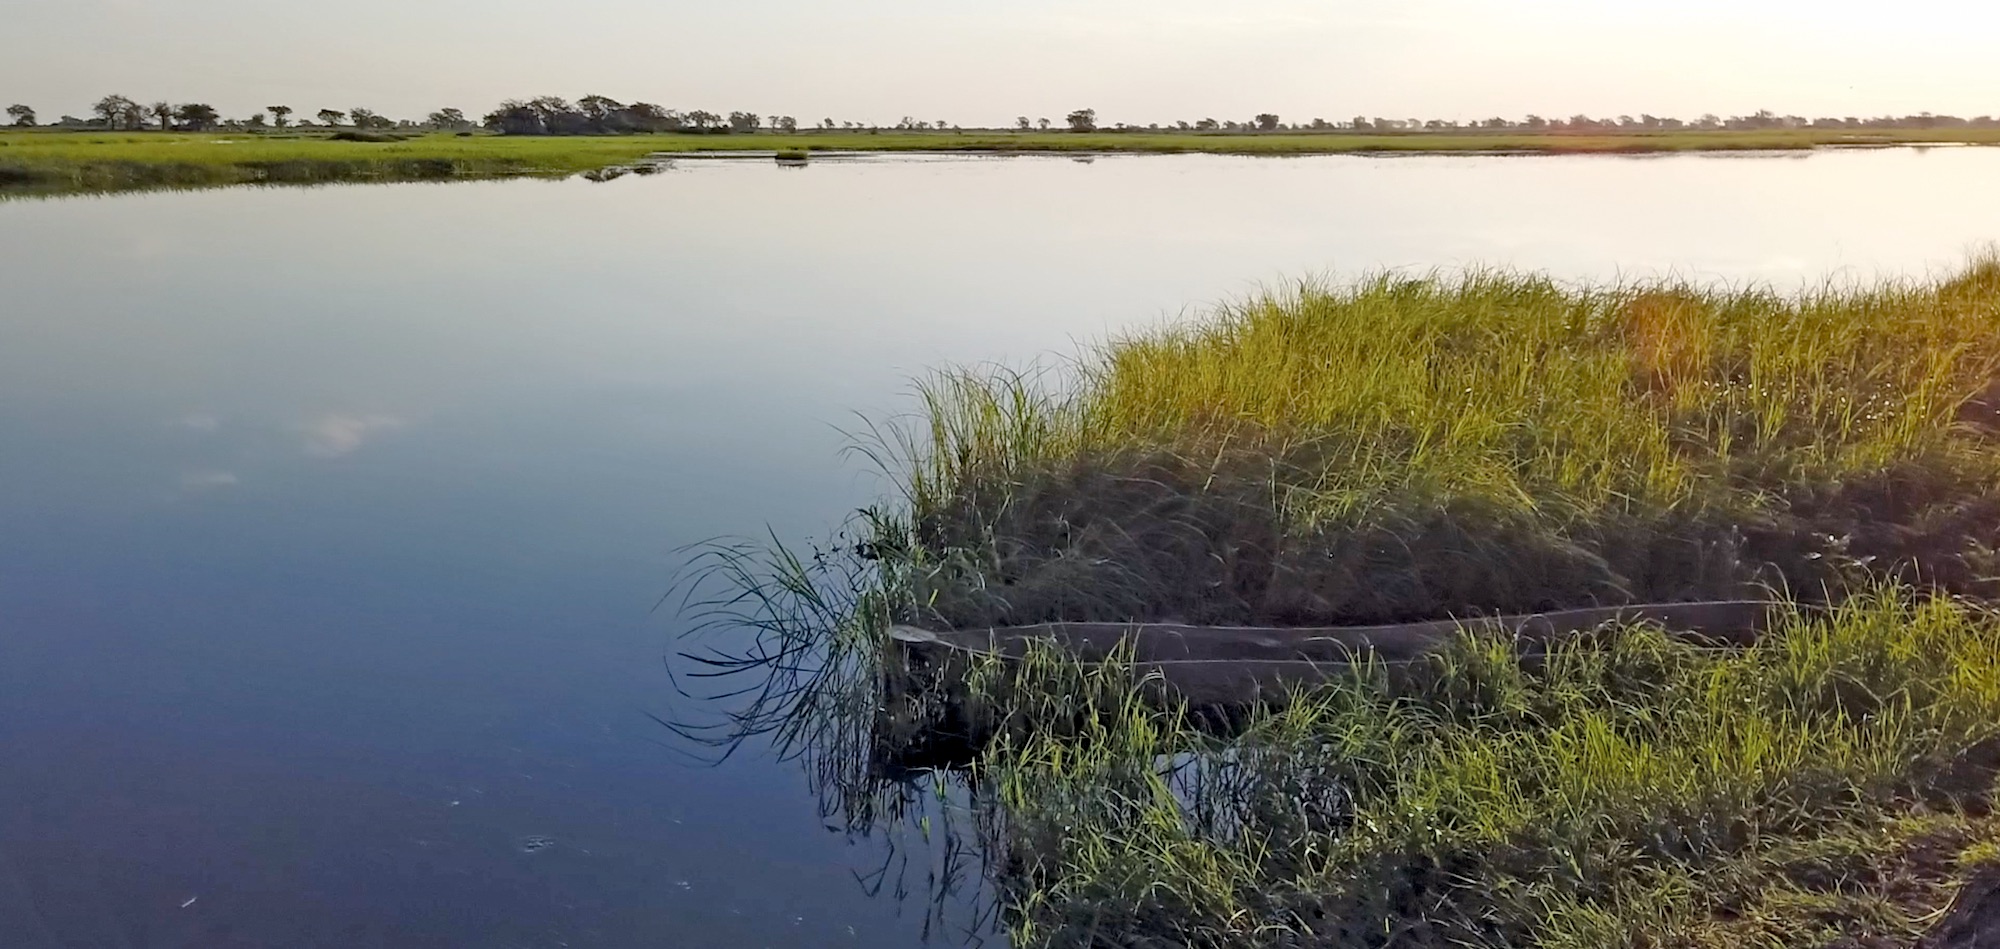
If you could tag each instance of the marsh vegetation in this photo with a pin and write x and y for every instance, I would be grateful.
(59, 161)
(1420, 446)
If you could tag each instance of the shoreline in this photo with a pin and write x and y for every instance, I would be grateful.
(50, 163)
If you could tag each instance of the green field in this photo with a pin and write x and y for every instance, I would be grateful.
(62, 161)
(1412, 446)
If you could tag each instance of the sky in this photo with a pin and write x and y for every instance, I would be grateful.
(983, 62)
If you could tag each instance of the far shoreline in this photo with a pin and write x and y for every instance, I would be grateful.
(63, 161)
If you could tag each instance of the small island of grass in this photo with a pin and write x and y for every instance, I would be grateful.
(1421, 447)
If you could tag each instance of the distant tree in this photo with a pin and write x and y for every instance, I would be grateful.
(744, 121)
(164, 113)
(786, 123)
(600, 110)
(702, 120)
(647, 117)
(450, 120)
(514, 117)
(255, 121)
(280, 114)
(1207, 125)
(1042, 124)
(331, 116)
(368, 119)
(1267, 122)
(1021, 122)
(558, 117)
(1082, 120)
(826, 123)
(198, 117)
(23, 116)
(941, 125)
(1361, 123)
(119, 112)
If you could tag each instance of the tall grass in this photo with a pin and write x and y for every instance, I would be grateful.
(1412, 446)
(1627, 792)
(1421, 446)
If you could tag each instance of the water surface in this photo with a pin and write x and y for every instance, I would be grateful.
(332, 520)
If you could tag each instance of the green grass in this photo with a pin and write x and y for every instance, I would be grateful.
(63, 161)
(1408, 447)
(1833, 782)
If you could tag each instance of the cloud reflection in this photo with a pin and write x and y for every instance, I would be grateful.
(332, 436)
(209, 480)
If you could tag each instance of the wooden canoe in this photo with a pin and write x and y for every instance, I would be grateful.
(1226, 665)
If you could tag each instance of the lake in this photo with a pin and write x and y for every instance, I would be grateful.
(333, 520)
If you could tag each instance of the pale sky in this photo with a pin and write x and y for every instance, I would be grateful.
(982, 62)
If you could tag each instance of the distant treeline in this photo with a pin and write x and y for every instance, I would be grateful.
(602, 115)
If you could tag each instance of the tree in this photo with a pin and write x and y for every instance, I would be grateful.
(368, 119)
(514, 117)
(1042, 124)
(448, 119)
(163, 112)
(23, 116)
(599, 109)
(198, 117)
(647, 117)
(1082, 120)
(1267, 122)
(1021, 122)
(331, 116)
(786, 123)
(1207, 125)
(119, 112)
(280, 114)
(744, 121)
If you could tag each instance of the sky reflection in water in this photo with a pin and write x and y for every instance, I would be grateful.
(333, 519)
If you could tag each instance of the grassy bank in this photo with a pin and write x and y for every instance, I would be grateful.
(1830, 787)
(1406, 447)
(1411, 447)
(61, 161)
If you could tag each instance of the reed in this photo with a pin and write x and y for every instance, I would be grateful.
(1832, 782)
(1408, 447)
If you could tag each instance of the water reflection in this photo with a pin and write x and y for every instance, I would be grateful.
(333, 516)
(809, 682)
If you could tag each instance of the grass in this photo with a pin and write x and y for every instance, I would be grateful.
(50, 161)
(1833, 783)
(1408, 447)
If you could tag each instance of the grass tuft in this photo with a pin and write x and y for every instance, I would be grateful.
(1631, 791)
(1407, 447)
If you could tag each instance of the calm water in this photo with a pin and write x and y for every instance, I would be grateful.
(332, 520)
